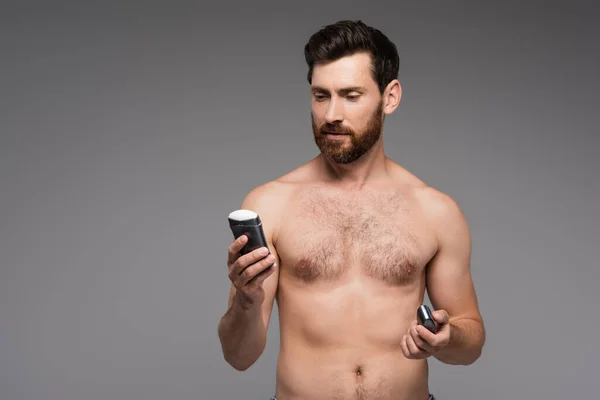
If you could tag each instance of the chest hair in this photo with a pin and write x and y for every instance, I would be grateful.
(369, 233)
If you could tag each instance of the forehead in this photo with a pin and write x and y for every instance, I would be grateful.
(347, 71)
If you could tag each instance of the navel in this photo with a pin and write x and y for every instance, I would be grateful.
(359, 372)
(361, 392)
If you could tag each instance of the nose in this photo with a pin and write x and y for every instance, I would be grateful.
(334, 111)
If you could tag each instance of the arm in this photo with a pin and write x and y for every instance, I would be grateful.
(450, 286)
(243, 328)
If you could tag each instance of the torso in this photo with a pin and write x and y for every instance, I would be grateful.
(351, 276)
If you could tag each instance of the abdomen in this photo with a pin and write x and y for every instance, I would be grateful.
(342, 341)
(349, 373)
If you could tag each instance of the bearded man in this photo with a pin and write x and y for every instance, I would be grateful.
(353, 242)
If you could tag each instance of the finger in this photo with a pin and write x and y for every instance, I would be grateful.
(442, 336)
(415, 336)
(233, 252)
(404, 347)
(249, 259)
(255, 269)
(412, 347)
(427, 336)
(261, 276)
(440, 316)
(422, 344)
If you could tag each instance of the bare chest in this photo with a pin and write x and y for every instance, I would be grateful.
(328, 237)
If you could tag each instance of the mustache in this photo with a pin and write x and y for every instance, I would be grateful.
(335, 128)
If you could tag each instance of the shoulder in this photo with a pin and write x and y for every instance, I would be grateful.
(267, 200)
(267, 197)
(443, 214)
(279, 191)
(440, 211)
(281, 188)
(270, 199)
(434, 203)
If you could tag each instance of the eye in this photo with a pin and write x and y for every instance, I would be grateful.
(319, 97)
(353, 97)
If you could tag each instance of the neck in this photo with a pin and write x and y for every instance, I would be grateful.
(372, 165)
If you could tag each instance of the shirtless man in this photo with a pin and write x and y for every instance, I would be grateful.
(355, 240)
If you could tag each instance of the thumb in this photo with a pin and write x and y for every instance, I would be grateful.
(440, 316)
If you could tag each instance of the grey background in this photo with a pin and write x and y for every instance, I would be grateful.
(130, 130)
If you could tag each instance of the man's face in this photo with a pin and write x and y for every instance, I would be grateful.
(346, 108)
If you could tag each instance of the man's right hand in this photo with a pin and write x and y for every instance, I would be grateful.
(248, 272)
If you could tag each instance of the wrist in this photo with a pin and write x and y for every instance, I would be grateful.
(465, 342)
(245, 303)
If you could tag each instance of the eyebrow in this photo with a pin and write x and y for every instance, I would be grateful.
(342, 91)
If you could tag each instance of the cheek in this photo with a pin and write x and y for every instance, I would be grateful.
(318, 109)
(318, 113)
(359, 119)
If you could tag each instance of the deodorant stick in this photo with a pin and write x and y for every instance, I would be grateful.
(247, 222)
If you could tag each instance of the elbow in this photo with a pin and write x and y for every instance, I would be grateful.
(464, 358)
(473, 356)
(240, 366)
(242, 355)
(476, 351)
(240, 363)
(240, 350)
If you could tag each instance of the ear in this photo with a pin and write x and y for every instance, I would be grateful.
(392, 96)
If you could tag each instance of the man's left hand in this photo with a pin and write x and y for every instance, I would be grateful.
(419, 342)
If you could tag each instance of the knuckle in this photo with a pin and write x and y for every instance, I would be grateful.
(231, 274)
(258, 256)
(242, 262)
(248, 273)
(248, 259)
(238, 285)
(268, 261)
(234, 268)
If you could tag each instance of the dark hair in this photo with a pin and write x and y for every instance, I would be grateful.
(347, 37)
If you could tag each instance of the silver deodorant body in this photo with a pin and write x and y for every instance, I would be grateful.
(425, 318)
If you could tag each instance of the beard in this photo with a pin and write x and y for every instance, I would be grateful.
(340, 152)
